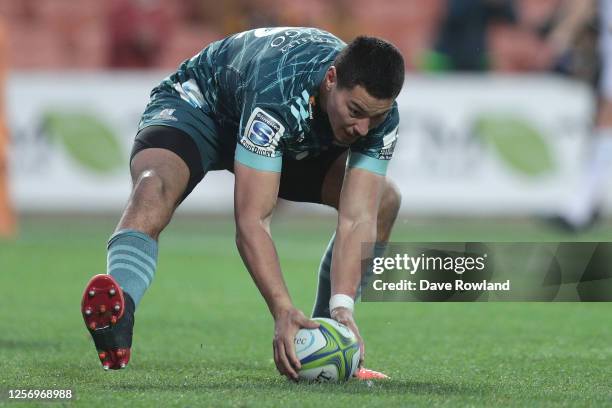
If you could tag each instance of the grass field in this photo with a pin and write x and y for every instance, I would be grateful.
(203, 333)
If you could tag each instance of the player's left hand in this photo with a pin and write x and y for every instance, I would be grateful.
(286, 325)
(345, 316)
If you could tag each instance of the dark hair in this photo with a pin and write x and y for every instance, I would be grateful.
(375, 64)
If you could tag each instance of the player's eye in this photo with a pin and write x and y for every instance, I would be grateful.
(378, 119)
(353, 112)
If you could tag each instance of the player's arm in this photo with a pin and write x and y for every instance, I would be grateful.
(255, 195)
(575, 14)
(357, 214)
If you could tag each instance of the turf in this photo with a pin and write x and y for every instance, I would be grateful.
(203, 333)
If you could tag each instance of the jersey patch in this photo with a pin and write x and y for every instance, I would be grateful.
(262, 133)
(190, 93)
(389, 141)
(166, 114)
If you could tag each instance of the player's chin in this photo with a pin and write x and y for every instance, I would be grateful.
(340, 140)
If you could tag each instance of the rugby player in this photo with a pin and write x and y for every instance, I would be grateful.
(564, 41)
(294, 113)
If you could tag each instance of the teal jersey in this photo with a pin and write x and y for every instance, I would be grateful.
(261, 86)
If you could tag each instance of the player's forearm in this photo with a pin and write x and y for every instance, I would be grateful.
(575, 14)
(259, 255)
(346, 260)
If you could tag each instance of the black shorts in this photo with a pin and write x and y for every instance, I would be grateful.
(301, 180)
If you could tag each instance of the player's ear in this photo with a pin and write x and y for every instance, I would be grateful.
(330, 78)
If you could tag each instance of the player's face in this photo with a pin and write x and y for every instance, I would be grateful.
(354, 112)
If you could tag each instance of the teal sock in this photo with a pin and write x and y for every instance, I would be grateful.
(379, 250)
(321, 306)
(132, 259)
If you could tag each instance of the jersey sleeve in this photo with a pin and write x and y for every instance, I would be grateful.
(374, 152)
(259, 141)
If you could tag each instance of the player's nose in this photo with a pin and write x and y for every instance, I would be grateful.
(362, 127)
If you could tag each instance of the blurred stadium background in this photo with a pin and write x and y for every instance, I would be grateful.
(492, 140)
(487, 128)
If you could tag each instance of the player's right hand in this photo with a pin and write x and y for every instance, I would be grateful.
(286, 325)
(345, 316)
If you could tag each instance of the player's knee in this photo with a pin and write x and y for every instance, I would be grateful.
(150, 187)
(390, 202)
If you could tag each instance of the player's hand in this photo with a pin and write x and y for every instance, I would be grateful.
(345, 316)
(286, 325)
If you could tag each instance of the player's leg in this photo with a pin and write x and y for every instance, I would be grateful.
(165, 167)
(582, 209)
(160, 178)
(387, 214)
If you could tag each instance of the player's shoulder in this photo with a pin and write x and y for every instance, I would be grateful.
(389, 125)
(381, 140)
(285, 39)
(285, 74)
(285, 54)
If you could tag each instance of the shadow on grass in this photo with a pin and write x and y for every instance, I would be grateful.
(9, 344)
(383, 388)
(197, 376)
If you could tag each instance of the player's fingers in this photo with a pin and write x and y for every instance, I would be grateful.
(275, 353)
(361, 349)
(290, 350)
(355, 330)
(351, 324)
(277, 359)
(287, 369)
(361, 353)
(309, 324)
(352, 327)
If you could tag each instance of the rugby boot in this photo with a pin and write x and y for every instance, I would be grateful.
(108, 313)
(365, 374)
(566, 224)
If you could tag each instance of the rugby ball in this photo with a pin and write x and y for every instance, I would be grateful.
(328, 353)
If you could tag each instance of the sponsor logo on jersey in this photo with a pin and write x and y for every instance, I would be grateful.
(262, 133)
(166, 114)
(298, 109)
(287, 38)
(389, 141)
(190, 93)
(262, 128)
(301, 155)
(265, 32)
